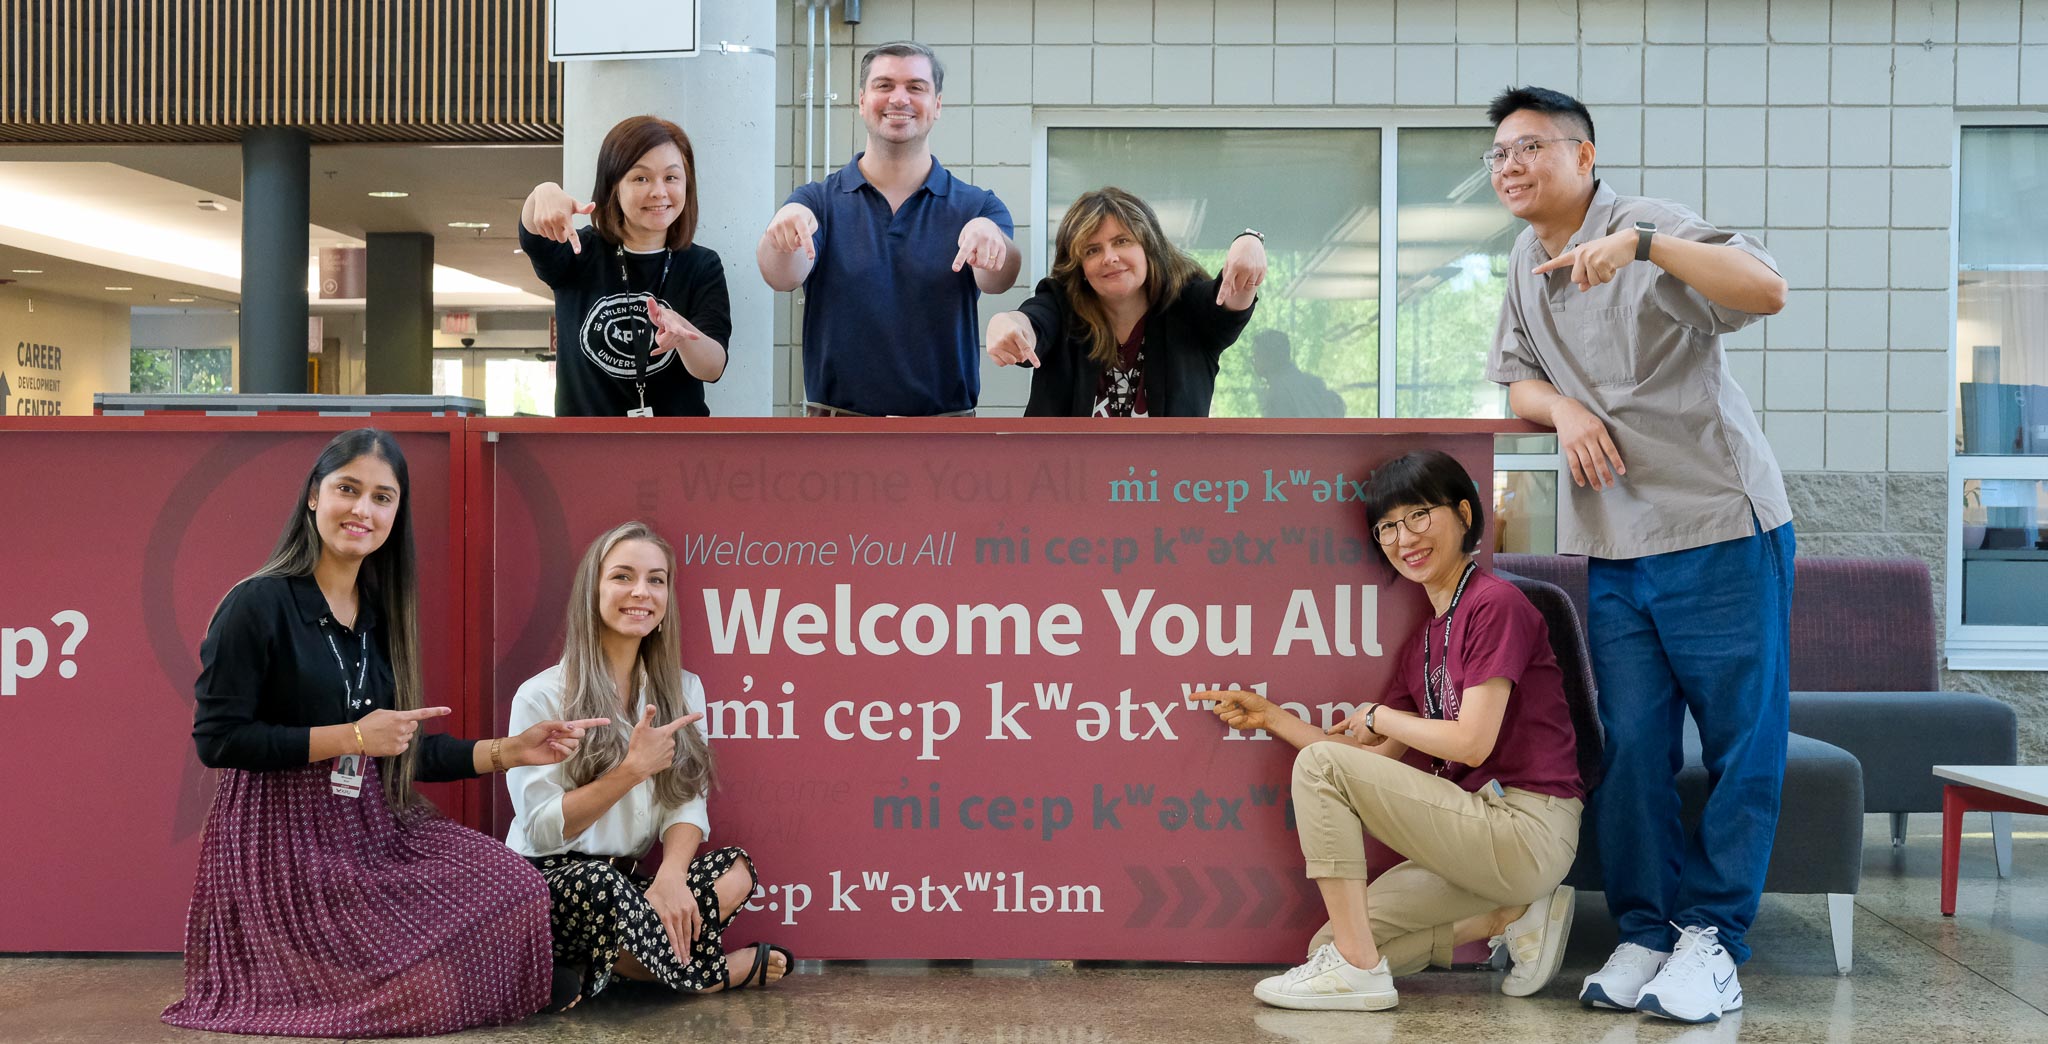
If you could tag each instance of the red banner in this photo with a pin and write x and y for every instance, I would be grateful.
(948, 662)
(117, 542)
(948, 673)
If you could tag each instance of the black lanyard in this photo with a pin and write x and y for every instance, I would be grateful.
(642, 348)
(1436, 694)
(356, 694)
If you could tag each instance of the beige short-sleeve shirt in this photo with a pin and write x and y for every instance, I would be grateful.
(1643, 353)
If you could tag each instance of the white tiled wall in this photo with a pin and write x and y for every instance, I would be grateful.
(1824, 127)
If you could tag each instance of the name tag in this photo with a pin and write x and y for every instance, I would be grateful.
(644, 411)
(347, 778)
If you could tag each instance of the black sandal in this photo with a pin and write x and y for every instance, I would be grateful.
(565, 990)
(757, 976)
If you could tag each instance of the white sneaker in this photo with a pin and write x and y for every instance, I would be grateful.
(1620, 981)
(1328, 982)
(1535, 942)
(1698, 983)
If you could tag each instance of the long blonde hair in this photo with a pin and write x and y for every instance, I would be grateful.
(1168, 269)
(385, 579)
(588, 690)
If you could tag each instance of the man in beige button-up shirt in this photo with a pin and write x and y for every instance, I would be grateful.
(1610, 334)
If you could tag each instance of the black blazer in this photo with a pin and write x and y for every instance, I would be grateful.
(1183, 342)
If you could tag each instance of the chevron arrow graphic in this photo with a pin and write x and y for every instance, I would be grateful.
(1152, 897)
(1229, 897)
(1191, 896)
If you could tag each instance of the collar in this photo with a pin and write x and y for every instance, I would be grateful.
(312, 605)
(1598, 213)
(938, 181)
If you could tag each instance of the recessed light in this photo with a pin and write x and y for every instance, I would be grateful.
(119, 288)
(211, 204)
(389, 194)
(28, 271)
(181, 300)
(516, 250)
(469, 224)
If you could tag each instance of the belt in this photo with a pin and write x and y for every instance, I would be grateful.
(628, 865)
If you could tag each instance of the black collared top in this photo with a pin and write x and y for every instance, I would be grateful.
(275, 664)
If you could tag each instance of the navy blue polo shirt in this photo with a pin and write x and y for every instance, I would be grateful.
(889, 327)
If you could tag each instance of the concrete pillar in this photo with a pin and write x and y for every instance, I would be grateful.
(276, 165)
(398, 314)
(724, 99)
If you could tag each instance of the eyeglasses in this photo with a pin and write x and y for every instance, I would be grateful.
(1417, 522)
(1524, 150)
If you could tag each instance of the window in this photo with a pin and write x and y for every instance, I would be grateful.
(510, 383)
(181, 370)
(1998, 475)
(1329, 332)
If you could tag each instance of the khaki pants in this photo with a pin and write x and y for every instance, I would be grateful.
(1468, 854)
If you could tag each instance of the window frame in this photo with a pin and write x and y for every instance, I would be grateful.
(1979, 647)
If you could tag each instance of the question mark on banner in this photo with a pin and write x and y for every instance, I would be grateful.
(75, 620)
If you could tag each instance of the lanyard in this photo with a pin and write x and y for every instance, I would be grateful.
(1436, 680)
(355, 693)
(641, 349)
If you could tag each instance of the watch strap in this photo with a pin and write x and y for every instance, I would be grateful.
(1644, 230)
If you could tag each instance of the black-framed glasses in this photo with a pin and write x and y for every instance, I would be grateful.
(1525, 150)
(1417, 522)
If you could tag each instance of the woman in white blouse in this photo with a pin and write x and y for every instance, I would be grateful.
(586, 822)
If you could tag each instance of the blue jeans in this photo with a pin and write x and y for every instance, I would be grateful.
(1705, 630)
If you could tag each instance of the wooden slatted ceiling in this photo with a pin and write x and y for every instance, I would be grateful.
(344, 70)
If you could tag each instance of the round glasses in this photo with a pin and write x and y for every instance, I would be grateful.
(1523, 151)
(1417, 522)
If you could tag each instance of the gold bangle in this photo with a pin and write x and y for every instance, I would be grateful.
(361, 747)
(497, 755)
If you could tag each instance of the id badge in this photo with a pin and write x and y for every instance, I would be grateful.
(644, 411)
(347, 778)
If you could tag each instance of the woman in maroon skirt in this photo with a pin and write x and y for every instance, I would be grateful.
(331, 899)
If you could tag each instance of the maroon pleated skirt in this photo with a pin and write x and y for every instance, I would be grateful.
(316, 915)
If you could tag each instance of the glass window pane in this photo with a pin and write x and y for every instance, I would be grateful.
(1525, 503)
(447, 375)
(150, 370)
(206, 370)
(519, 388)
(1451, 252)
(1525, 443)
(1312, 347)
(2002, 293)
(2005, 552)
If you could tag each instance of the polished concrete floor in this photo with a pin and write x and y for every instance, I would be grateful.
(1980, 977)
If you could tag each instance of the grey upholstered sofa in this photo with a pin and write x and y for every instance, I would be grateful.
(1819, 844)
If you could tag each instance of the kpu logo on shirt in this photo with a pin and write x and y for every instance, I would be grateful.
(611, 329)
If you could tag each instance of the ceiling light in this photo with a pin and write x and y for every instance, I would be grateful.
(212, 204)
(389, 194)
(469, 224)
(515, 250)
(28, 271)
(119, 288)
(181, 300)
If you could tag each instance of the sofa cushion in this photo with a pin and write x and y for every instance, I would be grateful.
(1899, 735)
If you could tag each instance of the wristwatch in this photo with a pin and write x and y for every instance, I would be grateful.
(1249, 232)
(1369, 712)
(1644, 230)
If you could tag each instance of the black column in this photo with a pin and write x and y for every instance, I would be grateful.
(399, 314)
(275, 171)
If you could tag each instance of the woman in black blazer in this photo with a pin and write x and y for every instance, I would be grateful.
(1127, 324)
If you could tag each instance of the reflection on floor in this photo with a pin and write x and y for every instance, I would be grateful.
(1981, 977)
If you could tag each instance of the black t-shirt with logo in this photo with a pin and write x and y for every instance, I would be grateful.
(600, 324)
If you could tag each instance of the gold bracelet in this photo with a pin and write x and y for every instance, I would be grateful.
(497, 755)
(361, 747)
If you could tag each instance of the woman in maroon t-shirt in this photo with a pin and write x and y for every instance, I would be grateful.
(1467, 766)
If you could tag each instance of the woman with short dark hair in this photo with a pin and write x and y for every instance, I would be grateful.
(1127, 324)
(1467, 766)
(331, 900)
(641, 313)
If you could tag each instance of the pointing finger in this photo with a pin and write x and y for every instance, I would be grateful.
(687, 719)
(646, 717)
(1555, 263)
(424, 713)
(962, 257)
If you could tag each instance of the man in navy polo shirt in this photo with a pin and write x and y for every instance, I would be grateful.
(892, 252)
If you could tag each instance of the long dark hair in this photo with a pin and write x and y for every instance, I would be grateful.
(386, 579)
(1168, 268)
(634, 137)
